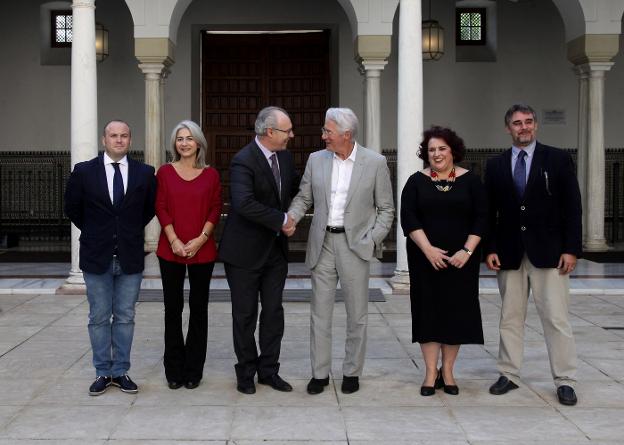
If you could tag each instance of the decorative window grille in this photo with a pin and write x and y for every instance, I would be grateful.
(470, 26)
(62, 28)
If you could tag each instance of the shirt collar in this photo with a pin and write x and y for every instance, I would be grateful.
(529, 149)
(108, 160)
(351, 156)
(265, 151)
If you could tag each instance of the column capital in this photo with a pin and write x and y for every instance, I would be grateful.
(373, 48)
(153, 70)
(372, 67)
(590, 48)
(154, 50)
(90, 4)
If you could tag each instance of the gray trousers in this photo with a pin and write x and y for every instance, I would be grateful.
(338, 262)
(551, 293)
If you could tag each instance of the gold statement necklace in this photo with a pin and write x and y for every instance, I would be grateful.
(449, 181)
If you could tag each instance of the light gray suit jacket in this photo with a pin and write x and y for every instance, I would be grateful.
(369, 210)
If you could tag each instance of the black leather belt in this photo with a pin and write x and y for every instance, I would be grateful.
(332, 229)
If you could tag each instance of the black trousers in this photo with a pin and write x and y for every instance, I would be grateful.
(185, 362)
(245, 285)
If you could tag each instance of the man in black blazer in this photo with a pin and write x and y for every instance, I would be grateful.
(110, 199)
(535, 239)
(254, 247)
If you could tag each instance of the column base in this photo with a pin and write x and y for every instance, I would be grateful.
(597, 245)
(74, 285)
(152, 268)
(400, 282)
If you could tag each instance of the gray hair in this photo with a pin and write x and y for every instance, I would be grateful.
(198, 136)
(522, 108)
(345, 120)
(267, 118)
(116, 120)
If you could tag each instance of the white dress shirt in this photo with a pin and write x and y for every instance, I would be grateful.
(340, 181)
(110, 173)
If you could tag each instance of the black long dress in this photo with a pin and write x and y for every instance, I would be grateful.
(445, 303)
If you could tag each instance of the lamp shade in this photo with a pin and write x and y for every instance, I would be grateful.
(432, 40)
(101, 42)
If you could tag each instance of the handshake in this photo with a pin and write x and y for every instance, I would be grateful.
(290, 226)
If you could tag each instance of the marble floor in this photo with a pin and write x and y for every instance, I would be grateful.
(45, 371)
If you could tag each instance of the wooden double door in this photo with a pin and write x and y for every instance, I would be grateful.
(242, 73)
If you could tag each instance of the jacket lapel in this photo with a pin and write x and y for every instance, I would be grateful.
(265, 168)
(133, 177)
(102, 182)
(507, 176)
(328, 164)
(537, 166)
(356, 173)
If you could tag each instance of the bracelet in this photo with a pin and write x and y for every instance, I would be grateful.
(171, 243)
(205, 234)
(467, 250)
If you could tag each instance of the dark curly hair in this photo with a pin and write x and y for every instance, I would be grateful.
(447, 135)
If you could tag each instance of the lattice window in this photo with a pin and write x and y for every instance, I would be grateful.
(470, 26)
(62, 28)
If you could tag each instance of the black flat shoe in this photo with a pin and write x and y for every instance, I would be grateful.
(350, 384)
(451, 389)
(246, 386)
(174, 385)
(276, 382)
(439, 381)
(427, 391)
(191, 384)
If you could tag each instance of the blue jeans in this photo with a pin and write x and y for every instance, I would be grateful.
(112, 294)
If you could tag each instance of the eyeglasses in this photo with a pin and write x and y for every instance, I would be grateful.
(326, 131)
(290, 130)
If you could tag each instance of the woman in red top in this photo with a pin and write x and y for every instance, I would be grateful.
(188, 206)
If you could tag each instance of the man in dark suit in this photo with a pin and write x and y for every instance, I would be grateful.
(254, 247)
(535, 217)
(110, 199)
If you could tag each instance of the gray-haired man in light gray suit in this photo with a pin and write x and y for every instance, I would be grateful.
(350, 188)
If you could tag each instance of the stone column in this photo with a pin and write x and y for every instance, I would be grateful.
(595, 235)
(84, 131)
(155, 56)
(410, 118)
(592, 55)
(372, 53)
(581, 153)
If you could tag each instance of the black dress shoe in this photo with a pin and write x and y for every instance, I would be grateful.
(566, 395)
(427, 390)
(316, 386)
(246, 386)
(174, 385)
(502, 386)
(276, 382)
(192, 384)
(350, 384)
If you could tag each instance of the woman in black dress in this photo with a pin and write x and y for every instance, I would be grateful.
(444, 216)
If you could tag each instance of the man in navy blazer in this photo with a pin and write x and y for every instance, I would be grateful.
(110, 199)
(254, 247)
(535, 240)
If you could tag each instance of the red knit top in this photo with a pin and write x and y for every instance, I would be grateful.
(187, 205)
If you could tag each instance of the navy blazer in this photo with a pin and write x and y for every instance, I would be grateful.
(89, 207)
(257, 210)
(546, 222)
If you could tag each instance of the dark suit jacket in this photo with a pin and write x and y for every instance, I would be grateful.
(546, 222)
(102, 225)
(256, 210)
